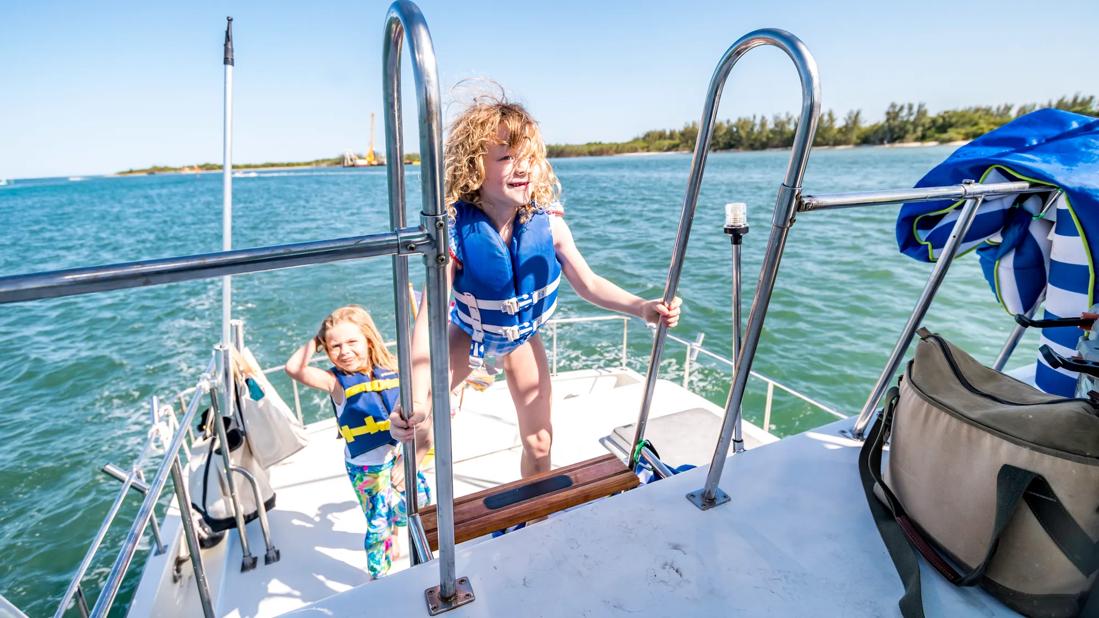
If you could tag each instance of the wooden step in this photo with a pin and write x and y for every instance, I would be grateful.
(531, 498)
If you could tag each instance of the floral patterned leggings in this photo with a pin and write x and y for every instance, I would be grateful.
(384, 507)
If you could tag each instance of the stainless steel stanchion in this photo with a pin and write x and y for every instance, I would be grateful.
(736, 226)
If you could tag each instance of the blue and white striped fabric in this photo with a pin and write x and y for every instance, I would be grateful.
(1027, 251)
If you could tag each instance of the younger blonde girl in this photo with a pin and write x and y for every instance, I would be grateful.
(364, 389)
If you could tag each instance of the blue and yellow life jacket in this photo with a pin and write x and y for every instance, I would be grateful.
(502, 294)
(364, 419)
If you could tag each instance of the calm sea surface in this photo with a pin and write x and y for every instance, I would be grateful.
(76, 373)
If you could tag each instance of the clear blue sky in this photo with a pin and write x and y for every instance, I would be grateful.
(100, 87)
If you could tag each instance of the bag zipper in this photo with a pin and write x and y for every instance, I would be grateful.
(1090, 460)
(976, 391)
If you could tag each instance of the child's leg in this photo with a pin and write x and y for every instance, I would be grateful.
(374, 489)
(458, 345)
(528, 379)
(458, 341)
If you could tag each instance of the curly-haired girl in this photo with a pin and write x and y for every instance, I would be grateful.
(510, 246)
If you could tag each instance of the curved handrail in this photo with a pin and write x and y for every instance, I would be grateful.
(168, 466)
(404, 20)
(785, 209)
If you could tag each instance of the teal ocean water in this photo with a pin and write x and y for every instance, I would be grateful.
(76, 373)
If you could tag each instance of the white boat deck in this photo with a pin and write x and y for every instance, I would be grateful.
(797, 539)
(317, 523)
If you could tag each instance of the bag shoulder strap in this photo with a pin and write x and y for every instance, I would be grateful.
(1013, 486)
(904, 557)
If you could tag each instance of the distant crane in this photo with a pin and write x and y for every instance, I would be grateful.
(350, 159)
(370, 158)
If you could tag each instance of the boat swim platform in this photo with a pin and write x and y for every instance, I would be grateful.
(796, 539)
(317, 523)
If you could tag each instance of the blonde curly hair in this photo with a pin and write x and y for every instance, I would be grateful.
(377, 354)
(473, 131)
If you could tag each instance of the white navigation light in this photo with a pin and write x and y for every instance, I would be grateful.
(736, 214)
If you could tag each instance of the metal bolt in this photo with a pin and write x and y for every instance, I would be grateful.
(440, 259)
(439, 224)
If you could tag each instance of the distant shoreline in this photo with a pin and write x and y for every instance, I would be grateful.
(647, 153)
(930, 144)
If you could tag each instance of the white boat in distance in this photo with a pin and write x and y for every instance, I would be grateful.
(774, 528)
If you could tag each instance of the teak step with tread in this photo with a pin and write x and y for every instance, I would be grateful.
(531, 498)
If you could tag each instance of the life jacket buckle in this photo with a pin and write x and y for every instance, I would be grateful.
(511, 332)
(511, 306)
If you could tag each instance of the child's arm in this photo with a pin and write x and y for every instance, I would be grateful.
(421, 372)
(297, 367)
(597, 290)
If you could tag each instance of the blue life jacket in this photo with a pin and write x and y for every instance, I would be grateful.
(502, 293)
(368, 400)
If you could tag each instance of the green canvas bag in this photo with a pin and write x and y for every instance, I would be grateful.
(992, 481)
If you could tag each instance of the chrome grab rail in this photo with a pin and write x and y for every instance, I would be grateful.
(785, 208)
(405, 21)
(74, 281)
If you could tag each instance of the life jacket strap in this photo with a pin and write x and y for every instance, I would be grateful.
(510, 306)
(510, 333)
(371, 426)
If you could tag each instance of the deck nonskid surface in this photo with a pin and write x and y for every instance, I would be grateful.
(317, 523)
(796, 539)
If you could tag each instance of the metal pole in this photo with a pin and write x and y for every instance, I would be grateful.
(227, 180)
(767, 406)
(784, 210)
(625, 342)
(687, 365)
(297, 402)
(236, 327)
(1013, 340)
(248, 561)
(963, 191)
(421, 548)
(74, 586)
(404, 20)
(394, 140)
(81, 602)
(189, 535)
(660, 469)
(953, 244)
(736, 226)
(76, 281)
(154, 527)
(129, 546)
(553, 336)
(273, 554)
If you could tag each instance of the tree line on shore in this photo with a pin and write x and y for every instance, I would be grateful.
(409, 158)
(901, 123)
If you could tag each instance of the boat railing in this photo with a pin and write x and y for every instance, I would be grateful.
(789, 202)
(168, 432)
(693, 350)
